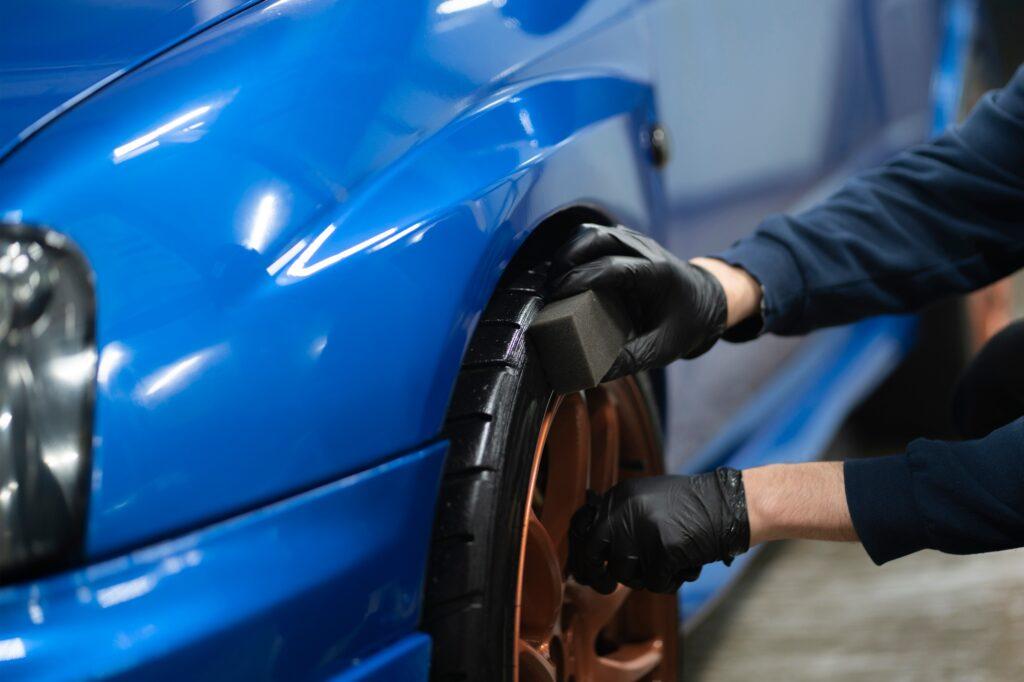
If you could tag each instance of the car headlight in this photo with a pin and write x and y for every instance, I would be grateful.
(47, 373)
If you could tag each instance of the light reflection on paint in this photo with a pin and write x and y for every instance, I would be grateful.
(179, 562)
(524, 118)
(262, 221)
(113, 357)
(12, 649)
(126, 591)
(397, 236)
(143, 584)
(152, 138)
(302, 268)
(174, 376)
(277, 265)
(453, 6)
(205, 10)
(317, 348)
(276, 6)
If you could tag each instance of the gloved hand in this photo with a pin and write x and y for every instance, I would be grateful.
(656, 533)
(677, 310)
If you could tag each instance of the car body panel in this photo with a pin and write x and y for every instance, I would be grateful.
(322, 278)
(54, 53)
(407, 660)
(301, 589)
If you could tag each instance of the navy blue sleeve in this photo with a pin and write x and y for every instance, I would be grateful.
(940, 219)
(957, 497)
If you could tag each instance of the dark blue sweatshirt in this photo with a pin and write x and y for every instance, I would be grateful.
(940, 219)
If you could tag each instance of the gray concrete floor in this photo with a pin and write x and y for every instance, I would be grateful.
(822, 611)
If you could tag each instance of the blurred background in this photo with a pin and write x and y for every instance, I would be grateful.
(815, 611)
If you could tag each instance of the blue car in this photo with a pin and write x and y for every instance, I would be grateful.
(268, 407)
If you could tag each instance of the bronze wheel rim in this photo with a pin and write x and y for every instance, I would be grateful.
(565, 631)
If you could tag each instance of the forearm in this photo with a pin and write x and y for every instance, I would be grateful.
(742, 292)
(805, 501)
(938, 220)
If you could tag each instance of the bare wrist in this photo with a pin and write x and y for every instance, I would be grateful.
(759, 505)
(742, 291)
(799, 501)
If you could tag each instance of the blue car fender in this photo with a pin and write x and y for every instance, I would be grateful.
(295, 218)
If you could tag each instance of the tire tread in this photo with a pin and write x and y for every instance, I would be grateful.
(467, 511)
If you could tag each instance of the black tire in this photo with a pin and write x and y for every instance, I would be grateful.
(496, 411)
(493, 423)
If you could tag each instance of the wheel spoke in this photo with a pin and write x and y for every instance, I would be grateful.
(542, 585)
(534, 666)
(629, 662)
(604, 439)
(592, 613)
(595, 609)
(568, 457)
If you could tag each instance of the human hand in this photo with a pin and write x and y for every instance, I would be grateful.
(656, 533)
(677, 309)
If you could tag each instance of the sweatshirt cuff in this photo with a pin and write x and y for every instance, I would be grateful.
(879, 493)
(771, 264)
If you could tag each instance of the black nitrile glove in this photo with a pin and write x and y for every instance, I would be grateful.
(677, 310)
(656, 533)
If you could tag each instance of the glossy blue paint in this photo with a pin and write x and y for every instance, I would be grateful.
(300, 589)
(53, 53)
(292, 244)
(407, 660)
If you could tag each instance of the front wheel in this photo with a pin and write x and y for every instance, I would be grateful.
(566, 631)
(499, 603)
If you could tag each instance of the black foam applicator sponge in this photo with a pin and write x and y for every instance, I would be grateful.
(578, 339)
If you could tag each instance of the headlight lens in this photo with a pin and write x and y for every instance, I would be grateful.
(47, 373)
